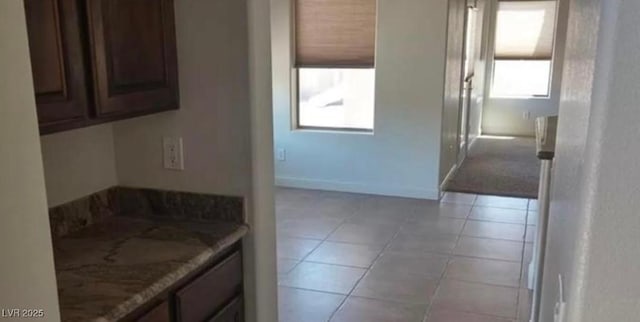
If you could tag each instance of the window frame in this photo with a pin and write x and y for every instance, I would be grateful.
(493, 95)
(295, 112)
(294, 85)
(492, 60)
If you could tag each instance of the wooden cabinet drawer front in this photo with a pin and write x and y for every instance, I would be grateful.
(158, 314)
(208, 293)
(233, 312)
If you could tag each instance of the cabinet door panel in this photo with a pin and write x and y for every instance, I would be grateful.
(160, 313)
(206, 294)
(57, 62)
(233, 312)
(134, 56)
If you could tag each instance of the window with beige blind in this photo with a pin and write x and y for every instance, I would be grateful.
(334, 62)
(523, 52)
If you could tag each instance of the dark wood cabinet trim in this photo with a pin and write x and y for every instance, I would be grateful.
(111, 102)
(66, 106)
(66, 38)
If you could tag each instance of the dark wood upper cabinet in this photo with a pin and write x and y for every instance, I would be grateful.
(95, 61)
(133, 54)
(57, 62)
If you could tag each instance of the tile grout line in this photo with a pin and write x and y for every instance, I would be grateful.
(341, 305)
(522, 269)
(303, 259)
(359, 207)
(427, 313)
(386, 248)
(453, 256)
(483, 315)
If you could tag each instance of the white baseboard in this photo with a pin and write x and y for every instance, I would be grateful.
(383, 190)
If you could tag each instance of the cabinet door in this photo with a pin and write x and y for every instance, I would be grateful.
(160, 313)
(208, 293)
(57, 62)
(133, 48)
(233, 312)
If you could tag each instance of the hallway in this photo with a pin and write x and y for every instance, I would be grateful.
(499, 165)
(351, 257)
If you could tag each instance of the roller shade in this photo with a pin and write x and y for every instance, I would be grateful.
(335, 33)
(525, 29)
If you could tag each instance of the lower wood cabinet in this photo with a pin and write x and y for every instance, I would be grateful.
(160, 313)
(207, 294)
(233, 312)
(212, 294)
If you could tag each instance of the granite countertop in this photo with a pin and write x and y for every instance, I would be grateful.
(109, 269)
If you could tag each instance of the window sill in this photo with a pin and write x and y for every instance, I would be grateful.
(520, 97)
(329, 130)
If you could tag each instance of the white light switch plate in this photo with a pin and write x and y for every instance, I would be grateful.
(172, 153)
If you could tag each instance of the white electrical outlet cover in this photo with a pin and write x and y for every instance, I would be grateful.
(281, 154)
(172, 153)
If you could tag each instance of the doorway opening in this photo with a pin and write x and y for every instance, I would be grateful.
(511, 76)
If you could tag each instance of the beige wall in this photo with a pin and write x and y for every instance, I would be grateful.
(479, 79)
(27, 277)
(452, 87)
(402, 156)
(454, 75)
(222, 103)
(213, 119)
(594, 224)
(260, 246)
(78, 163)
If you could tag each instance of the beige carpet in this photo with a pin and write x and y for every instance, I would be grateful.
(499, 166)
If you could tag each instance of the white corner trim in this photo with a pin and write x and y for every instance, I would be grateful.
(473, 141)
(448, 177)
(355, 187)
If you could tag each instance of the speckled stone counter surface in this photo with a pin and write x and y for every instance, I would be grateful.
(117, 249)
(109, 269)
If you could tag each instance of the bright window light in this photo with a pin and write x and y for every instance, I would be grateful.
(524, 39)
(521, 78)
(336, 98)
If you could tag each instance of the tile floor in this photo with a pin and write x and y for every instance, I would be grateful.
(360, 258)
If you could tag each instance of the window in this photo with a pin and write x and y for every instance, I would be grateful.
(523, 48)
(335, 54)
(336, 98)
